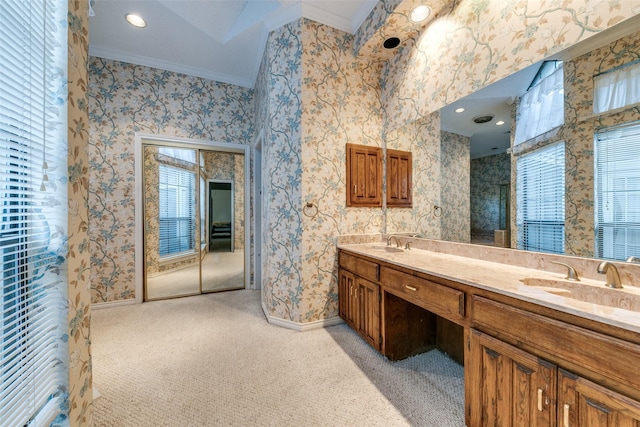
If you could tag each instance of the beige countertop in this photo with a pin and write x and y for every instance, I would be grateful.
(510, 281)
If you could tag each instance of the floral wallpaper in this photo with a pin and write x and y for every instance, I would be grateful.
(482, 41)
(80, 400)
(376, 20)
(278, 113)
(340, 105)
(454, 181)
(125, 99)
(424, 218)
(391, 19)
(312, 98)
(487, 174)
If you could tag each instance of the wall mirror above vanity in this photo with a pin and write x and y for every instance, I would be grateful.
(576, 204)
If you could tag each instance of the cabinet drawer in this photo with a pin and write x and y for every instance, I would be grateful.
(595, 352)
(438, 299)
(363, 268)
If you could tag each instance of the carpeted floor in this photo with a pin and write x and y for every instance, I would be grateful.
(213, 360)
(220, 271)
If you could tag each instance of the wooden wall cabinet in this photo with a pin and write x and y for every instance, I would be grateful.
(399, 179)
(364, 176)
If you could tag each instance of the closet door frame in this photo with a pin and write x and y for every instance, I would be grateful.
(188, 143)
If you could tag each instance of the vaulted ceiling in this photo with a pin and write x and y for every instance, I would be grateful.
(221, 40)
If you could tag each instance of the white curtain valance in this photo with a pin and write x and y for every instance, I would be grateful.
(617, 88)
(541, 108)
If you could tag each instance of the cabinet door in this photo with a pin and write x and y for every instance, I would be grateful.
(583, 403)
(348, 298)
(506, 386)
(344, 282)
(369, 316)
(399, 178)
(364, 176)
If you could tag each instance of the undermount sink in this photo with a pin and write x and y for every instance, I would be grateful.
(388, 249)
(617, 298)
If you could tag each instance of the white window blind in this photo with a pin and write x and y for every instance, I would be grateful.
(541, 108)
(617, 188)
(33, 164)
(540, 199)
(616, 88)
(176, 210)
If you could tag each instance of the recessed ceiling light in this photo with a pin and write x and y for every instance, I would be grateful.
(135, 20)
(459, 110)
(420, 13)
(499, 122)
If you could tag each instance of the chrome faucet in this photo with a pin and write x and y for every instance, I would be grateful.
(613, 278)
(398, 244)
(633, 259)
(571, 272)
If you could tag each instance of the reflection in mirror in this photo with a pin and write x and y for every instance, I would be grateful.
(493, 166)
(193, 221)
(485, 118)
(223, 258)
(172, 266)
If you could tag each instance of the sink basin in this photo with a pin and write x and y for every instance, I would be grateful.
(600, 295)
(388, 249)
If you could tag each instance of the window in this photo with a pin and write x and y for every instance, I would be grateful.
(176, 210)
(540, 190)
(616, 88)
(617, 189)
(541, 108)
(33, 164)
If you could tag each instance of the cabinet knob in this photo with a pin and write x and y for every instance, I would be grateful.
(411, 288)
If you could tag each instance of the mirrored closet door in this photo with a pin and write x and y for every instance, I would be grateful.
(194, 237)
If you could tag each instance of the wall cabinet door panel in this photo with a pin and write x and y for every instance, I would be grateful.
(364, 176)
(399, 179)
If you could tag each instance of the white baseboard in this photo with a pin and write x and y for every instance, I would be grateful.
(301, 327)
(101, 305)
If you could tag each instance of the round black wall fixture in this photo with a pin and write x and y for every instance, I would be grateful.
(391, 43)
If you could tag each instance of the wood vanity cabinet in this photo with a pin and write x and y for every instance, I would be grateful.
(524, 365)
(399, 179)
(584, 403)
(359, 298)
(364, 176)
(507, 376)
(506, 386)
